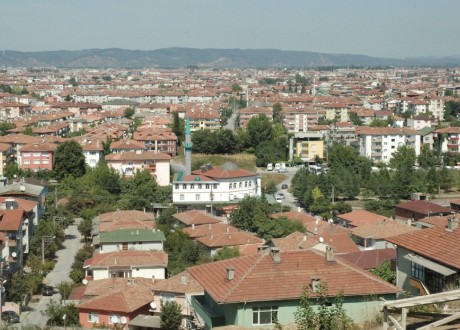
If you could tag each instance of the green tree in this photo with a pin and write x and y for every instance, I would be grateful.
(427, 157)
(55, 313)
(251, 211)
(178, 127)
(28, 131)
(5, 126)
(225, 141)
(65, 288)
(19, 288)
(203, 142)
(73, 82)
(277, 108)
(260, 129)
(226, 253)
(171, 315)
(385, 271)
(270, 188)
(106, 146)
(236, 88)
(69, 160)
(403, 180)
(305, 316)
(129, 113)
(269, 152)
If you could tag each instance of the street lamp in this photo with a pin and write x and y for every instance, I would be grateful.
(46, 239)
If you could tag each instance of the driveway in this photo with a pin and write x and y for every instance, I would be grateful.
(60, 273)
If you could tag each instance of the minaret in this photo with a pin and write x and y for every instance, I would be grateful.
(188, 148)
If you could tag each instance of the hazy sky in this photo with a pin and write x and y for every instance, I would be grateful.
(389, 28)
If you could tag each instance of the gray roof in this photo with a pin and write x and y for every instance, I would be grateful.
(22, 188)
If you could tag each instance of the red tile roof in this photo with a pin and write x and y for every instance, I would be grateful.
(362, 217)
(369, 259)
(180, 283)
(230, 239)
(209, 229)
(131, 258)
(258, 278)
(10, 220)
(196, 217)
(434, 243)
(125, 215)
(219, 173)
(382, 230)
(424, 207)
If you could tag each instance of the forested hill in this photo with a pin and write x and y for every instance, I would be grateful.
(213, 58)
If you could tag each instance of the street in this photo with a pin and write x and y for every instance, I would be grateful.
(60, 273)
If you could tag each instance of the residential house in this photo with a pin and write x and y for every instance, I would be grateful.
(448, 139)
(371, 259)
(419, 122)
(127, 163)
(262, 289)
(300, 119)
(126, 145)
(12, 225)
(92, 150)
(179, 288)
(224, 184)
(359, 218)
(428, 259)
(114, 302)
(247, 113)
(6, 153)
(379, 143)
(37, 156)
(418, 209)
(17, 141)
(375, 235)
(307, 146)
(193, 218)
(127, 263)
(159, 140)
(195, 231)
(247, 243)
(130, 239)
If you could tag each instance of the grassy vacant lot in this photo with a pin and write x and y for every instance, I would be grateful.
(244, 161)
(277, 178)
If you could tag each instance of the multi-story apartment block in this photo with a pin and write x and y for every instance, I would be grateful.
(448, 138)
(38, 156)
(247, 113)
(299, 119)
(379, 143)
(307, 146)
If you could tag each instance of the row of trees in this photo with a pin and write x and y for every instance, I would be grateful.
(266, 140)
(351, 175)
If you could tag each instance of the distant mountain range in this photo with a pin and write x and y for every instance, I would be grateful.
(212, 58)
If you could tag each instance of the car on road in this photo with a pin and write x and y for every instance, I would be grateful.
(280, 195)
(282, 170)
(10, 317)
(47, 290)
(284, 186)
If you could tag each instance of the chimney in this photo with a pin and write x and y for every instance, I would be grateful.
(230, 274)
(330, 254)
(275, 252)
(184, 279)
(262, 249)
(193, 226)
(452, 223)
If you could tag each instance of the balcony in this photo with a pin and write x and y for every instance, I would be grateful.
(211, 317)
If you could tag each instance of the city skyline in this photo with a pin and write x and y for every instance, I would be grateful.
(392, 29)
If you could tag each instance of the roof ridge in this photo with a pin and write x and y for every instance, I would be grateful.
(244, 277)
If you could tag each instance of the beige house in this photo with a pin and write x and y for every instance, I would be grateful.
(127, 163)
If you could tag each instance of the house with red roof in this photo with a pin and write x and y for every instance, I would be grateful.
(224, 184)
(12, 225)
(258, 290)
(37, 156)
(358, 218)
(418, 209)
(428, 260)
(128, 263)
(192, 218)
(114, 302)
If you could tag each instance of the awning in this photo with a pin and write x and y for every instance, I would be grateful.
(446, 271)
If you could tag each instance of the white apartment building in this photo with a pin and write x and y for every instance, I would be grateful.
(215, 185)
(379, 143)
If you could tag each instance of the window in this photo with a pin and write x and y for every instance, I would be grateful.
(181, 197)
(231, 185)
(264, 315)
(417, 271)
(184, 186)
(26, 154)
(37, 154)
(240, 185)
(93, 317)
(45, 162)
(197, 197)
(177, 186)
(37, 162)
(45, 153)
(192, 186)
(114, 318)
(26, 162)
(200, 186)
(214, 185)
(245, 184)
(207, 186)
(164, 297)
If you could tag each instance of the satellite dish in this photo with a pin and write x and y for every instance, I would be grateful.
(123, 320)
(317, 221)
(84, 281)
(114, 319)
(153, 305)
(26, 221)
(14, 254)
(321, 239)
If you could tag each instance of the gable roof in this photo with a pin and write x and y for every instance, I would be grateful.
(195, 217)
(369, 259)
(180, 283)
(220, 173)
(362, 217)
(382, 230)
(434, 243)
(132, 258)
(126, 214)
(258, 278)
(126, 224)
(209, 229)
(132, 235)
(424, 207)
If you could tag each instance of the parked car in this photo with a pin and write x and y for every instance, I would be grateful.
(47, 290)
(284, 186)
(10, 317)
(280, 195)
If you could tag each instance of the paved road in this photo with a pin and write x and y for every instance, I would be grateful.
(60, 273)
